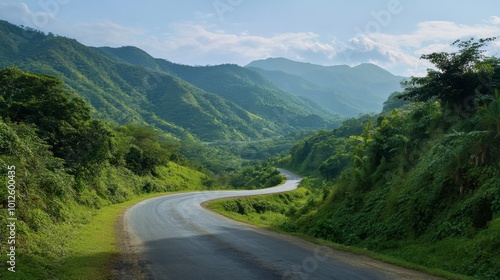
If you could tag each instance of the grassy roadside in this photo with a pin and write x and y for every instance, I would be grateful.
(95, 247)
(277, 221)
(87, 251)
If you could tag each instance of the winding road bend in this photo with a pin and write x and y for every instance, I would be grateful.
(174, 237)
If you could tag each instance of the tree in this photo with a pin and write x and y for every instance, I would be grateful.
(62, 121)
(146, 149)
(335, 164)
(459, 78)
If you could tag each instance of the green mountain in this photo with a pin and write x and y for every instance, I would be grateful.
(251, 91)
(141, 89)
(348, 91)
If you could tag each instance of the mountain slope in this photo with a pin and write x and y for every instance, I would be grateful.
(331, 98)
(250, 90)
(123, 92)
(348, 91)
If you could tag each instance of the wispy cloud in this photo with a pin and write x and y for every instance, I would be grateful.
(107, 33)
(96, 34)
(20, 13)
(242, 47)
(495, 20)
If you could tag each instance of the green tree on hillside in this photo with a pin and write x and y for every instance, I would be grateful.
(460, 78)
(61, 120)
(145, 150)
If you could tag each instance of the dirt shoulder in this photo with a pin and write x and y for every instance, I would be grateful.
(128, 266)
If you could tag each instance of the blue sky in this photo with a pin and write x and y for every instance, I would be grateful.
(390, 33)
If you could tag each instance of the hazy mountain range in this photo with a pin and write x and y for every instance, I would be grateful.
(342, 89)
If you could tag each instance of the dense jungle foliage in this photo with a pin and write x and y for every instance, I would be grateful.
(419, 182)
(127, 85)
(67, 164)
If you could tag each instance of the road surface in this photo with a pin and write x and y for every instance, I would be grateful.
(174, 237)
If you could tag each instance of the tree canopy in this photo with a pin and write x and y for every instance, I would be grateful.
(63, 121)
(459, 79)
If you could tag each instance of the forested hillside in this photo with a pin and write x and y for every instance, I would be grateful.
(85, 128)
(241, 108)
(65, 165)
(420, 182)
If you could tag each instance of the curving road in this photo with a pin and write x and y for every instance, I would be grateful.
(175, 238)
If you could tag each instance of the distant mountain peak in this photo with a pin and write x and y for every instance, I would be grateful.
(279, 62)
(340, 88)
(371, 66)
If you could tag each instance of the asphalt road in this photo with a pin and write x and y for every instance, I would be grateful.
(176, 238)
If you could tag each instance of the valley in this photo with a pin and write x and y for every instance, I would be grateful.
(405, 170)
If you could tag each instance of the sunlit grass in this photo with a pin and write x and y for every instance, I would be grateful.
(94, 248)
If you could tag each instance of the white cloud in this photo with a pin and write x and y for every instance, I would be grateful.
(401, 52)
(13, 12)
(243, 47)
(104, 33)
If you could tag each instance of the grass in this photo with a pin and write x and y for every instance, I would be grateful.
(95, 247)
(82, 242)
(88, 251)
(92, 248)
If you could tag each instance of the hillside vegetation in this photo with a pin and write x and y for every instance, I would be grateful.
(210, 111)
(64, 165)
(66, 169)
(420, 183)
(249, 90)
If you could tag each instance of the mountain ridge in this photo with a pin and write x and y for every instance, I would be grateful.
(348, 90)
(237, 79)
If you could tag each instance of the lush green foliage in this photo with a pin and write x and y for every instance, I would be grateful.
(63, 122)
(460, 78)
(269, 211)
(264, 175)
(394, 102)
(211, 121)
(419, 182)
(327, 151)
(247, 89)
(68, 165)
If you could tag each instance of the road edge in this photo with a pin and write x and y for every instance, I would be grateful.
(127, 267)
